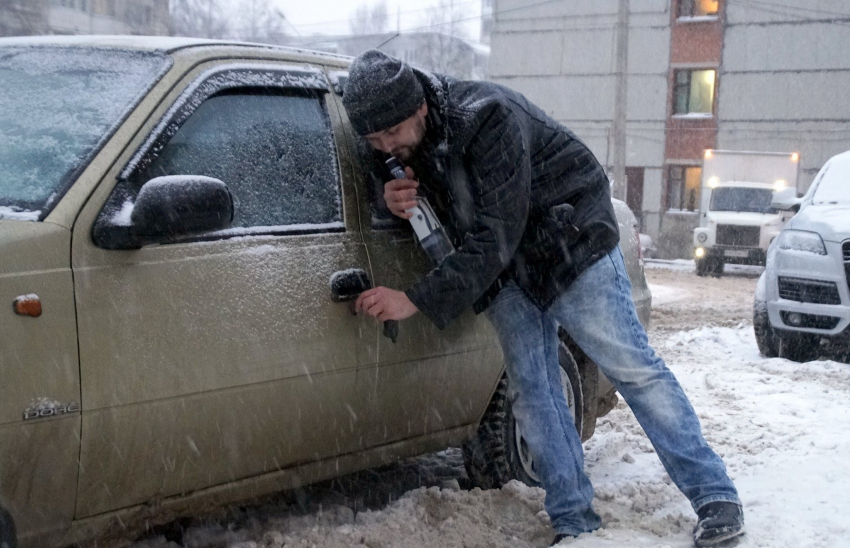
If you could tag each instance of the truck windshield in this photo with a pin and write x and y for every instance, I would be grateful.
(57, 105)
(750, 200)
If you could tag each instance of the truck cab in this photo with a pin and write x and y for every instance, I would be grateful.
(737, 222)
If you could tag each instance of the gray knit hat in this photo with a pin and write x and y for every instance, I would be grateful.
(381, 91)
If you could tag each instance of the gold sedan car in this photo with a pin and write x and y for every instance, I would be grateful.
(182, 226)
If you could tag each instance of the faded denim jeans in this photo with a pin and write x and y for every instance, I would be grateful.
(598, 313)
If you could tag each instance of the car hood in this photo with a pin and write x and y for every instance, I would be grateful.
(832, 222)
(744, 219)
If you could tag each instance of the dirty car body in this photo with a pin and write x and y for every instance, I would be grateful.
(171, 214)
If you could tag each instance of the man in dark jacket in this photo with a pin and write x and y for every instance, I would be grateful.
(530, 212)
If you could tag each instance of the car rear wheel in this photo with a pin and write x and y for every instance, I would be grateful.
(766, 338)
(8, 538)
(498, 453)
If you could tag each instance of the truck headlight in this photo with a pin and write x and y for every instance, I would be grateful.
(702, 237)
(801, 240)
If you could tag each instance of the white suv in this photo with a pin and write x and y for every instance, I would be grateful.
(802, 302)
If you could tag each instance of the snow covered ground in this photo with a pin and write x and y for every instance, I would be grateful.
(783, 429)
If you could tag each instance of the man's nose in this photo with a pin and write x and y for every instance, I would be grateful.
(386, 145)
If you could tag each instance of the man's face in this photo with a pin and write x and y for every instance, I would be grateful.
(402, 139)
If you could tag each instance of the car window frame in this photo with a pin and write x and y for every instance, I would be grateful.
(232, 77)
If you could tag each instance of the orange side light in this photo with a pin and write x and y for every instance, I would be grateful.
(28, 305)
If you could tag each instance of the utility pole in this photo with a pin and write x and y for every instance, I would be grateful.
(618, 129)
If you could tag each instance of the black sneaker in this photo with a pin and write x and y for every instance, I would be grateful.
(559, 537)
(718, 522)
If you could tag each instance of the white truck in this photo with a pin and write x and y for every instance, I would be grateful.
(736, 220)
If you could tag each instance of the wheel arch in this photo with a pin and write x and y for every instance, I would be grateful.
(8, 534)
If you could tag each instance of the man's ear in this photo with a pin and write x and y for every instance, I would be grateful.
(423, 110)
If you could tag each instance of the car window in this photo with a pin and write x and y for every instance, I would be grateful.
(272, 147)
(57, 106)
(274, 151)
(834, 186)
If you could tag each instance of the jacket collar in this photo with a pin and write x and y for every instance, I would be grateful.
(436, 95)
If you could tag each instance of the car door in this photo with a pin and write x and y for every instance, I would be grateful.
(429, 380)
(222, 357)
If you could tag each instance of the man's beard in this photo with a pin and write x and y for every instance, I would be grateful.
(405, 153)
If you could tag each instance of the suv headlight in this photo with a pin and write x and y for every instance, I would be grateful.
(801, 240)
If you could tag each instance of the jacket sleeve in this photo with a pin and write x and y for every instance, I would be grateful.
(500, 179)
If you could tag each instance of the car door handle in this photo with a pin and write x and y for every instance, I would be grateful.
(347, 285)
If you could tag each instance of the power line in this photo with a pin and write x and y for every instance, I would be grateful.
(418, 10)
(789, 11)
(444, 23)
(795, 8)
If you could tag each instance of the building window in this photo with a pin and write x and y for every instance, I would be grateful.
(683, 185)
(698, 8)
(694, 92)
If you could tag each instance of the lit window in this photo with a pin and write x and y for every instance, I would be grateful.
(694, 92)
(683, 186)
(698, 8)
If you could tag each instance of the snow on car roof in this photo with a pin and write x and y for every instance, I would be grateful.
(148, 43)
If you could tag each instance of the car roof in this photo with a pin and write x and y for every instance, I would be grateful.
(167, 44)
(744, 184)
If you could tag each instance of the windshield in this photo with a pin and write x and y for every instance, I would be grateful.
(56, 106)
(750, 200)
(834, 188)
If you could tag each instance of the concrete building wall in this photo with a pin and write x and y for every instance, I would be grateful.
(785, 76)
(562, 57)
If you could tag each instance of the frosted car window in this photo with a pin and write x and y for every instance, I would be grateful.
(834, 187)
(57, 106)
(274, 151)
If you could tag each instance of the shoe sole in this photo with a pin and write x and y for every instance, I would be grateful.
(718, 540)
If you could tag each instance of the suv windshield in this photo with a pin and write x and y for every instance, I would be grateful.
(57, 105)
(835, 186)
(750, 200)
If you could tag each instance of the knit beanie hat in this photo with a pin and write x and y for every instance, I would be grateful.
(381, 91)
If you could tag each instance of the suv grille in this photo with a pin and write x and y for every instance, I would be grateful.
(741, 236)
(811, 321)
(808, 291)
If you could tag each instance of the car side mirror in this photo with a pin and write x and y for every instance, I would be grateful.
(786, 200)
(167, 209)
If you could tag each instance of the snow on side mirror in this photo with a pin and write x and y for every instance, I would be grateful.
(786, 200)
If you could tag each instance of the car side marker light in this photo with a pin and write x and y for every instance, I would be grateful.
(27, 305)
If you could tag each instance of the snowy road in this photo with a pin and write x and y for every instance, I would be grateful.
(783, 429)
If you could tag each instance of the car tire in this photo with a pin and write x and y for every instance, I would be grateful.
(798, 347)
(8, 537)
(703, 267)
(717, 268)
(766, 337)
(497, 454)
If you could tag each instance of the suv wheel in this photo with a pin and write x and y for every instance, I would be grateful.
(498, 453)
(766, 338)
(798, 347)
(8, 538)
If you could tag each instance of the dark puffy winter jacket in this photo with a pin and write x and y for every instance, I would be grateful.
(522, 197)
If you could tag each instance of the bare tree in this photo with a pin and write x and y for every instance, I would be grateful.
(259, 21)
(23, 18)
(199, 18)
(445, 50)
(369, 21)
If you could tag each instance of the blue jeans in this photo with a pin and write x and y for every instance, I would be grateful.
(598, 313)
